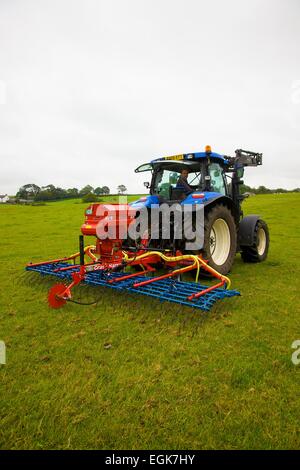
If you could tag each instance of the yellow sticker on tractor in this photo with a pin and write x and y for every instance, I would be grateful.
(175, 157)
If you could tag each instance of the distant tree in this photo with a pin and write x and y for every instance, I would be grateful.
(28, 191)
(44, 195)
(90, 197)
(262, 190)
(47, 193)
(72, 192)
(51, 193)
(86, 190)
(60, 193)
(106, 190)
(245, 189)
(122, 189)
(49, 187)
(98, 191)
(280, 190)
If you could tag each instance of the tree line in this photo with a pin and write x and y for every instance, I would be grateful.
(33, 192)
(264, 190)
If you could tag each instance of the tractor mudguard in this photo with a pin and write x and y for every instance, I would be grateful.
(227, 201)
(247, 230)
(213, 197)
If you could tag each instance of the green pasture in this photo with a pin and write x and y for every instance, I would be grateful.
(134, 373)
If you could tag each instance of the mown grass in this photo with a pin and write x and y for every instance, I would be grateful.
(135, 373)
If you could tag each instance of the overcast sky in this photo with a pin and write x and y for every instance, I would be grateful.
(91, 89)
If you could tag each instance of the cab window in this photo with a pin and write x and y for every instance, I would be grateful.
(164, 180)
(216, 178)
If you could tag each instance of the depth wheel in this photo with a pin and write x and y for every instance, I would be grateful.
(54, 296)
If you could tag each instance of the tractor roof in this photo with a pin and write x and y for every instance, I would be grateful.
(184, 159)
(193, 156)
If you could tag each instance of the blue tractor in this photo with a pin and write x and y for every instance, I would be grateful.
(186, 185)
(213, 180)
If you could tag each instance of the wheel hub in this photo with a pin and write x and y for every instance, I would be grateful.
(220, 241)
(212, 241)
(262, 241)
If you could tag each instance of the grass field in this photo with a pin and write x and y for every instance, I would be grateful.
(172, 378)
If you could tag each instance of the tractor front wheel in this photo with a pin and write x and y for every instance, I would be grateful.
(220, 238)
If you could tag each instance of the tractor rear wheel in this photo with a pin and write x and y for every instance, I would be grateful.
(220, 238)
(259, 250)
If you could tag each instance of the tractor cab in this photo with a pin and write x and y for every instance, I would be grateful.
(201, 178)
(206, 173)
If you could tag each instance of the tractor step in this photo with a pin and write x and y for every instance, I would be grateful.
(169, 290)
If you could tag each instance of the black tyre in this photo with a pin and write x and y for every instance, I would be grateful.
(220, 238)
(259, 250)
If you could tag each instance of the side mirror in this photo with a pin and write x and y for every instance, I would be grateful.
(147, 184)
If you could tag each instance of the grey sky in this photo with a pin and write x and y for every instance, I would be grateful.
(91, 89)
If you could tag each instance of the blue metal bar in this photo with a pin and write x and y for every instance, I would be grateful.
(169, 290)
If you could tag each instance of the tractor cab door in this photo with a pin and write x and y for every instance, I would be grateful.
(164, 182)
(217, 178)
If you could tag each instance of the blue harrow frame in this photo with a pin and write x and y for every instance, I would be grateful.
(169, 290)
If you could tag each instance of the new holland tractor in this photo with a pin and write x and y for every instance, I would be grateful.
(215, 182)
(154, 266)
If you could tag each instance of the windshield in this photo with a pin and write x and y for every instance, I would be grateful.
(166, 181)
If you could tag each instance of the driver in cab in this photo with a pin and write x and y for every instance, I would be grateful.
(182, 182)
